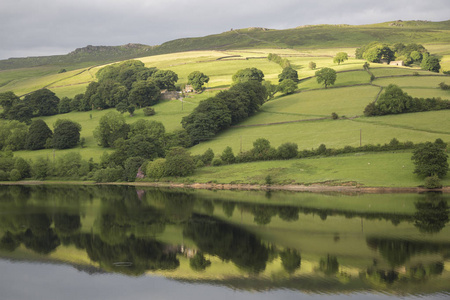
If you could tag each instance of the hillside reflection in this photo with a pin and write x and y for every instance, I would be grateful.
(194, 236)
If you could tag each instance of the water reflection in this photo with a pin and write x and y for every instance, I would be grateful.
(255, 245)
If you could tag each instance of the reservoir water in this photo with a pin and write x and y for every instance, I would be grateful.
(119, 242)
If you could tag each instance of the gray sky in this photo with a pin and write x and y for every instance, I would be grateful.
(49, 27)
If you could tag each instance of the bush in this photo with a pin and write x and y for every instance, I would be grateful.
(217, 162)
(334, 116)
(156, 169)
(179, 162)
(110, 174)
(14, 175)
(132, 165)
(228, 156)
(207, 157)
(287, 151)
(433, 182)
(3, 176)
(148, 111)
(268, 179)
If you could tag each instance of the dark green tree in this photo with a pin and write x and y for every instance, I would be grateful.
(144, 93)
(7, 100)
(208, 156)
(43, 102)
(287, 86)
(179, 162)
(64, 105)
(228, 155)
(20, 112)
(326, 76)
(38, 134)
(248, 74)
(288, 73)
(393, 100)
(112, 126)
(430, 159)
(165, 79)
(66, 134)
(287, 151)
(197, 79)
(430, 63)
(131, 167)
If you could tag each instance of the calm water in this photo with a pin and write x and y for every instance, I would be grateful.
(125, 243)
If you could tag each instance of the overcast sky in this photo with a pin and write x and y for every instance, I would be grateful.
(49, 27)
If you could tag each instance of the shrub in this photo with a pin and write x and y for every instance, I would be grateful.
(287, 151)
(334, 116)
(207, 157)
(110, 174)
(148, 111)
(199, 164)
(179, 162)
(132, 165)
(433, 182)
(3, 176)
(14, 175)
(40, 168)
(217, 162)
(268, 179)
(228, 156)
(157, 168)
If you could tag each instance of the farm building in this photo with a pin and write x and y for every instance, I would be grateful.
(400, 63)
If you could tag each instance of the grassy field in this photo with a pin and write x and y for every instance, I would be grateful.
(312, 102)
(366, 169)
(332, 133)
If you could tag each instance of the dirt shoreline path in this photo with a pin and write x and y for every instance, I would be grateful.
(316, 188)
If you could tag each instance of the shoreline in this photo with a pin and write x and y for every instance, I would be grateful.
(315, 188)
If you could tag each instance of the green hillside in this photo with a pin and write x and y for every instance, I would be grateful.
(303, 118)
(313, 37)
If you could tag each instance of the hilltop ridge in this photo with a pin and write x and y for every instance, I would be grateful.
(306, 36)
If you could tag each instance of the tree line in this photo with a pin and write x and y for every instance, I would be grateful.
(411, 54)
(16, 135)
(394, 101)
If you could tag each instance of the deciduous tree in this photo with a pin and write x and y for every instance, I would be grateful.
(197, 79)
(430, 159)
(340, 57)
(326, 76)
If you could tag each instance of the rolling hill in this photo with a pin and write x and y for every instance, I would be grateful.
(302, 118)
(317, 36)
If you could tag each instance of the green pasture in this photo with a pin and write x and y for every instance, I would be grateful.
(332, 133)
(319, 103)
(342, 79)
(395, 71)
(413, 81)
(69, 91)
(428, 93)
(32, 83)
(365, 169)
(421, 122)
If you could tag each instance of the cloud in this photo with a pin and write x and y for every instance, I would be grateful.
(48, 27)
